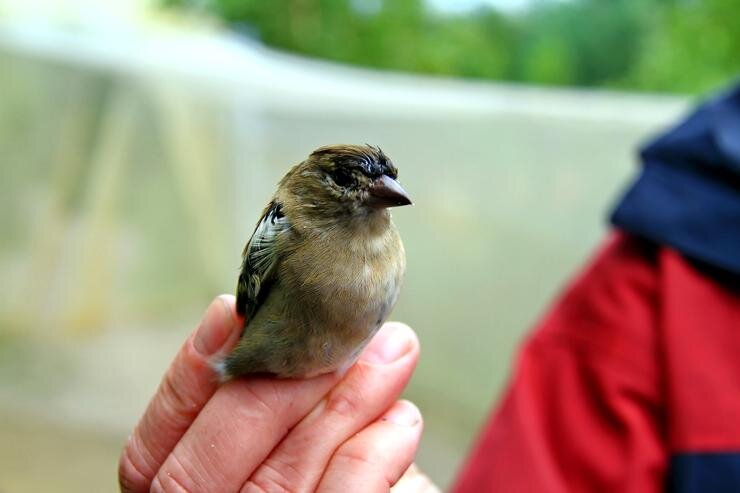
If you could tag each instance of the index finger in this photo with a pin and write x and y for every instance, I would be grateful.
(186, 387)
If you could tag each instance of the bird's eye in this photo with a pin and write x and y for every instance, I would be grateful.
(342, 177)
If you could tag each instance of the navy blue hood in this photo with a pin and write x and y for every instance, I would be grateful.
(688, 194)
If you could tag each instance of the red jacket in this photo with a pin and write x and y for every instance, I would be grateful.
(630, 384)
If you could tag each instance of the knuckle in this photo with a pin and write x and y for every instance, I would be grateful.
(277, 476)
(352, 458)
(131, 477)
(265, 398)
(175, 399)
(169, 485)
(266, 485)
(252, 486)
(346, 404)
(273, 397)
(173, 477)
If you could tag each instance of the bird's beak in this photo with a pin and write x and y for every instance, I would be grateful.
(386, 192)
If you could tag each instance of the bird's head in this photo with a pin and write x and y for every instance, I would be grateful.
(346, 179)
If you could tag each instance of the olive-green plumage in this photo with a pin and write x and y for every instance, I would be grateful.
(323, 268)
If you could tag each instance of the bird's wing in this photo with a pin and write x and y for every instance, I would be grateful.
(259, 259)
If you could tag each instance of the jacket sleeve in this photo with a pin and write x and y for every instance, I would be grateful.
(583, 410)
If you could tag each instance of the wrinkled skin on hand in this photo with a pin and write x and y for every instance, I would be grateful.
(330, 433)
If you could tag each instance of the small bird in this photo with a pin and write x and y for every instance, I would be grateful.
(323, 268)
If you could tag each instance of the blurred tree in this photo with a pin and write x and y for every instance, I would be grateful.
(668, 45)
(692, 46)
(588, 43)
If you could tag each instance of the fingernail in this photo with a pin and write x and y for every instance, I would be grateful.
(389, 344)
(214, 329)
(403, 413)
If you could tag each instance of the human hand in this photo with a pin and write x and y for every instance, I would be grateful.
(260, 434)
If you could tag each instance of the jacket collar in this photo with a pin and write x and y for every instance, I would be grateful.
(688, 194)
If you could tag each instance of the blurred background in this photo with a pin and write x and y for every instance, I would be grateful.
(139, 140)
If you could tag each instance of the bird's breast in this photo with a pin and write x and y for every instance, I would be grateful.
(350, 283)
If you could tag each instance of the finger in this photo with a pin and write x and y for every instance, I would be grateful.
(184, 390)
(236, 430)
(414, 481)
(367, 390)
(374, 459)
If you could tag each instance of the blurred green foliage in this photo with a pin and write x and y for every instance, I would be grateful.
(685, 46)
